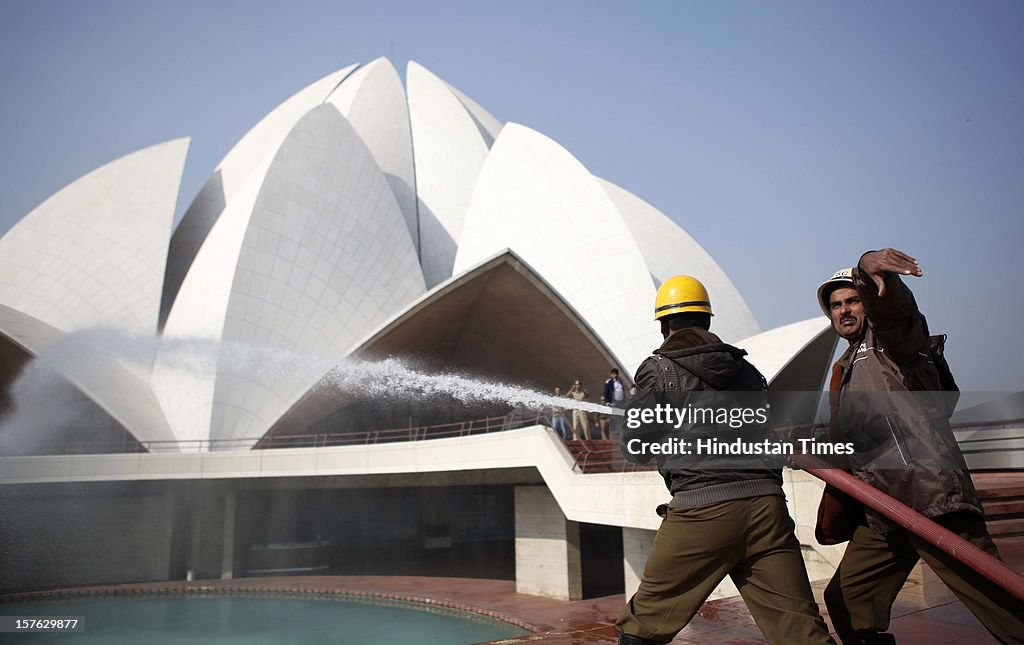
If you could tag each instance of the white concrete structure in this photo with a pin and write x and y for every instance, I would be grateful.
(773, 350)
(92, 257)
(356, 220)
(93, 254)
(322, 256)
(489, 126)
(669, 250)
(547, 547)
(536, 199)
(90, 382)
(547, 517)
(30, 334)
(373, 101)
(358, 217)
(232, 173)
(449, 151)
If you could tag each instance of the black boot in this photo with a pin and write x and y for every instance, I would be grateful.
(629, 639)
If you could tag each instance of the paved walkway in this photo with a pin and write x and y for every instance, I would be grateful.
(925, 612)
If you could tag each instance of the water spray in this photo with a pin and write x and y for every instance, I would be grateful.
(391, 377)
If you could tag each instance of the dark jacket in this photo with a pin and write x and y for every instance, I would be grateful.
(891, 409)
(694, 367)
(609, 391)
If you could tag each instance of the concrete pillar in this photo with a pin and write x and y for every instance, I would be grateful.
(227, 560)
(547, 547)
(205, 519)
(165, 538)
(803, 494)
(213, 536)
(636, 544)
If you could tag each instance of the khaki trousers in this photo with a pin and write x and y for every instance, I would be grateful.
(751, 540)
(580, 425)
(861, 593)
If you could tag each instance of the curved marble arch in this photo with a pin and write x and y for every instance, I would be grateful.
(373, 100)
(795, 358)
(773, 350)
(449, 151)
(513, 327)
(81, 360)
(535, 198)
(41, 412)
(230, 175)
(320, 257)
(669, 250)
(93, 254)
(22, 338)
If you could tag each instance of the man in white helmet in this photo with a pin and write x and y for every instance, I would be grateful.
(888, 401)
(726, 518)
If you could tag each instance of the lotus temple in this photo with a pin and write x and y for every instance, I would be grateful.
(361, 220)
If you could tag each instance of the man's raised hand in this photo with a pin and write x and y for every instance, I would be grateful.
(877, 263)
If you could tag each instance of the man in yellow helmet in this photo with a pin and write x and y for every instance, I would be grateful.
(725, 518)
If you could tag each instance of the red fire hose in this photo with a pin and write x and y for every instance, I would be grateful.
(990, 567)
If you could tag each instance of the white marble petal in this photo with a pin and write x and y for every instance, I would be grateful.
(669, 250)
(771, 351)
(373, 101)
(186, 391)
(449, 150)
(93, 254)
(490, 127)
(84, 361)
(326, 257)
(538, 200)
(28, 333)
(231, 174)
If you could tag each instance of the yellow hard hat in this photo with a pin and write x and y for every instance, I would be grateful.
(681, 293)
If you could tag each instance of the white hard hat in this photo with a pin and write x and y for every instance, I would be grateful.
(839, 278)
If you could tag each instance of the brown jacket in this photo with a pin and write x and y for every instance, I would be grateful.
(890, 407)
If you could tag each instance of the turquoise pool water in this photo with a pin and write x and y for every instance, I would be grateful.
(257, 620)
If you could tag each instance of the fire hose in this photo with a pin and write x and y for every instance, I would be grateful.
(990, 567)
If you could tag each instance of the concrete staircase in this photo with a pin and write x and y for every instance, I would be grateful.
(1002, 495)
(602, 456)
(595, 456)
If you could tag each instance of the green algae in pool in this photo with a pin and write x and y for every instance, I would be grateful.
(256, 620)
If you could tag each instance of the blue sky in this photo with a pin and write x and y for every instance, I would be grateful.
(786, 137)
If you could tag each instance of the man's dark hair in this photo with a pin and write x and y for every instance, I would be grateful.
(689, 319)
(615, 370)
